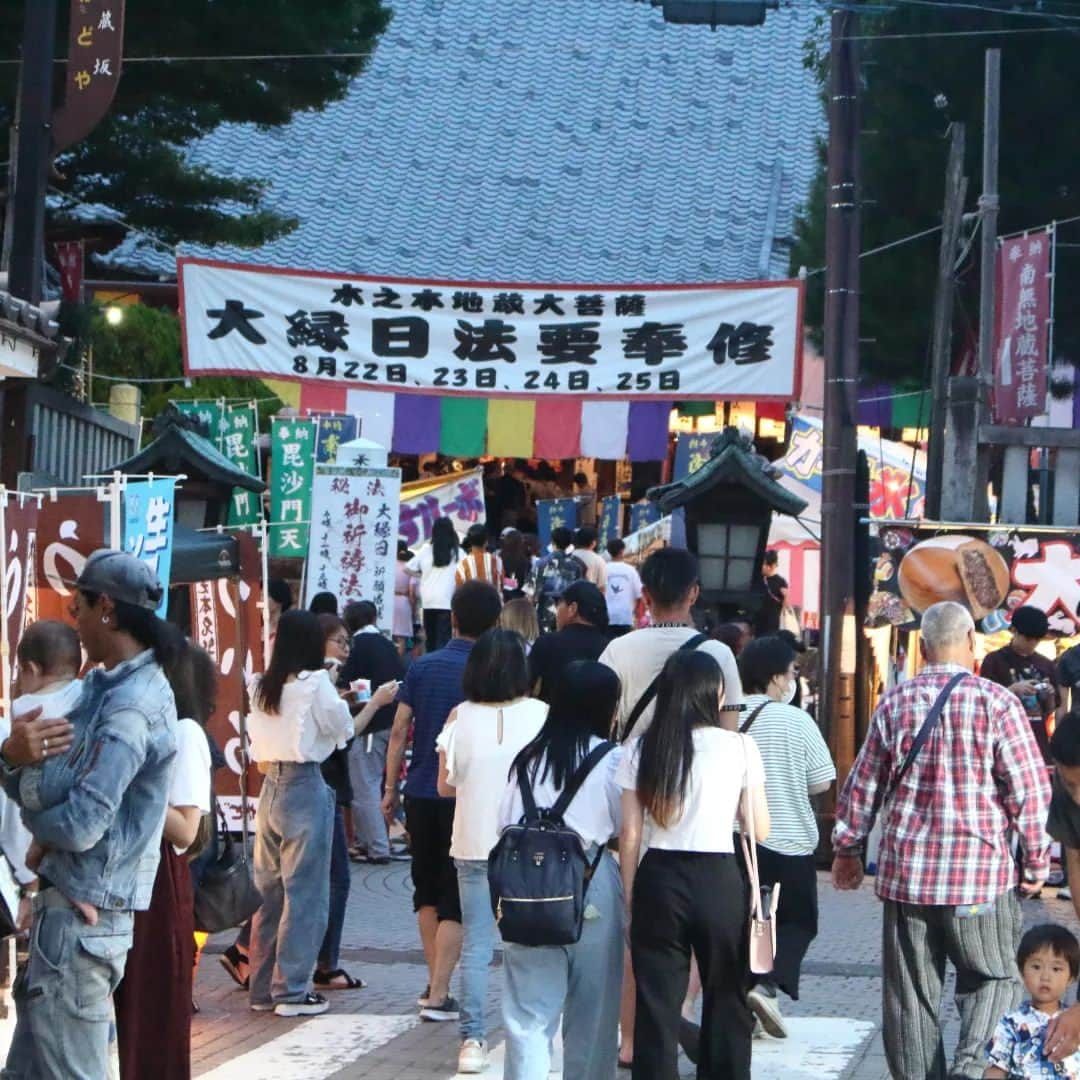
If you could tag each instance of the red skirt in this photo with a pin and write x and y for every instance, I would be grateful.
(153, 1002)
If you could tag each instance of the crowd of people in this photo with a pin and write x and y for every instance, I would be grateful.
(568, 692)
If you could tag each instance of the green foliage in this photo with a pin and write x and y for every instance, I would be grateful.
(134, 160)
(904, 151)
(146, 345)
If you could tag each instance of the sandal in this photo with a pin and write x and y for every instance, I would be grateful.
(326, 979)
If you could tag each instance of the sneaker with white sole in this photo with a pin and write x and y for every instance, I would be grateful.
(441, 1012)
(472, 1057)
(262, 1006)
(1064, 893)
(310, 1005)
(763, 1003)
(422, 1000)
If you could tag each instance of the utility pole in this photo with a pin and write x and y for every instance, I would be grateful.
(988, 211)
(31, 147)
(955, 194)
(841, 389)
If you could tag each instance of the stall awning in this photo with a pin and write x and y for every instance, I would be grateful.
(202, 556)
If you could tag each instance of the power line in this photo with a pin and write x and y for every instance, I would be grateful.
(963, 33)
(240, 58)
(952, 6)
(885, 247)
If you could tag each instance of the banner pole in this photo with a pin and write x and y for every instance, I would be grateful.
(264, 552)
(5, 643)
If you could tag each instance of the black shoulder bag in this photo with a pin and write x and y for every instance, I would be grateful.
(646, 698)
(537, 871)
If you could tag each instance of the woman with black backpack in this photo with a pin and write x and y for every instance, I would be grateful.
(580, 981)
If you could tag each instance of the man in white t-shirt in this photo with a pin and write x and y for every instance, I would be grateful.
(669, 582)
(596, 570)
(623, 592)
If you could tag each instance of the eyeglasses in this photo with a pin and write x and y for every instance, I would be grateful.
(339, 640)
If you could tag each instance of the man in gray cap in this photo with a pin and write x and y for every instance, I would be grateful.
(98, 813)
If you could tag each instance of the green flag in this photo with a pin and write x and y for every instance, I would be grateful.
(292, 471)
(209, 413)
(239, 444)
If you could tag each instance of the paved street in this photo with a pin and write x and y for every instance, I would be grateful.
(375, 1033)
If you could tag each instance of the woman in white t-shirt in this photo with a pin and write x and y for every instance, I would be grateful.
(435, 565)
(581, 981)
(481, 738)
(153, 1001)
(686, 776)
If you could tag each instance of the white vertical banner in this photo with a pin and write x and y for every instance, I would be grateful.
(353, 545)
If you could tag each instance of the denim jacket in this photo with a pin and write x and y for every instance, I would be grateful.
(103, 804)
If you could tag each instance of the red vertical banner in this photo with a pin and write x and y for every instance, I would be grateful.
(1022, 337)
(69, 529)
(20, 525)
(69, 261)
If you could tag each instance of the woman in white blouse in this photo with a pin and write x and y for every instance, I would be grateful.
(436, 564)
(581, 981)
(686, 776)
(481, 738)
(297, 720)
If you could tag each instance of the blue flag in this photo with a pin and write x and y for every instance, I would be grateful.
(149, 507)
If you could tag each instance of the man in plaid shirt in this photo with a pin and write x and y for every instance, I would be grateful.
(945, 869)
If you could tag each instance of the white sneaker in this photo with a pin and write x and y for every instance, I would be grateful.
(766, 1008)
(472, 1058)
(1064, 893)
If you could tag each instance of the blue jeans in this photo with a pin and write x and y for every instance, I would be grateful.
(581, 982)
(367, 766)
(293, 829)
(340, 881)
(477, 945)
(63, 997)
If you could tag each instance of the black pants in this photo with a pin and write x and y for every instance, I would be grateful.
(797, 913)
(437, 628)
(691, 902)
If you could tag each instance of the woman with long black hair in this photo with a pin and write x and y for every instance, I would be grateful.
(516, 564)
(686, 775)
(435, 564)
(581, 981)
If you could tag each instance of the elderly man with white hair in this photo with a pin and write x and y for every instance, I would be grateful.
(952, 770)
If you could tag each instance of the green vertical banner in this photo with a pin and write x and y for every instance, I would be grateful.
(292, 472)
(208, 413)
(240, 446)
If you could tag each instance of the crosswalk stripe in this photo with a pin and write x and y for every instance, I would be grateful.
(316, 1048)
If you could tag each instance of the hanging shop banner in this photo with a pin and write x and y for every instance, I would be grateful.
(609, 521)
(459, 497)
(1021, 340)
(552, 514)
(711, 341)
(69, 529)
(334, 429)
(292, 465)
(18, 535)
(353, 542)
(148, 527)
(643, 514)
(897, 472)
(691, 452)
(210, 414)
(991, 572)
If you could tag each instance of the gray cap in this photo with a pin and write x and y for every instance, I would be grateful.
(123, 577)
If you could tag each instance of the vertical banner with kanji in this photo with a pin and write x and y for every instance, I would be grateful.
(211, 414)
(643, 514)
(148, 527)
(691, 452)
(609, 523)
(240, 445)
(554, 514)
(334, 429)
(69, 261)
(292, 466)
(1022, 337)
(69, 529)
(19, 515)
(354, 536)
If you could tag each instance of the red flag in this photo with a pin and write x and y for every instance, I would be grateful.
(69, 260)
(1023, 321)
(20, 525)
(69, 531)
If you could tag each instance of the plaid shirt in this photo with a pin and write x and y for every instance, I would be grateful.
(945, 834)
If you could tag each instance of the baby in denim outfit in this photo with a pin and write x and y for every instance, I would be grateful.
(1049, 960)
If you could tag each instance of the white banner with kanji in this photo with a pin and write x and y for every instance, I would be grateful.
(353, 545)
(483, 339)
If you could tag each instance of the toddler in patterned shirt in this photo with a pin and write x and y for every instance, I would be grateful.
(1048, 959)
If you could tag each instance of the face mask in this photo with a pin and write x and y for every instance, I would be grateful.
(789, 694)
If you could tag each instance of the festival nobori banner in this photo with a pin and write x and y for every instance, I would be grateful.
(292, 465)
(552, 514)
(484, 339)
(148, 527)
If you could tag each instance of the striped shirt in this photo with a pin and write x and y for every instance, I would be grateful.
(795, 758)
(979, 778)
(480, 566)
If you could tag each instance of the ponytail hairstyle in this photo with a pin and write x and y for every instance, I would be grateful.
(146, 628)
(298, 647)
(687, 697)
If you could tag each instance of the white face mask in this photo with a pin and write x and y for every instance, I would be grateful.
(789, 694)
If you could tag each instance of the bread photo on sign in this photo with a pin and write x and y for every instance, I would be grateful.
(960, 568)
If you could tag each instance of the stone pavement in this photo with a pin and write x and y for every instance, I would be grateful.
(375, 1032)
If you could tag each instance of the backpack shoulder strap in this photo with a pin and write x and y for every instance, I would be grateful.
(573, 786)
(528, 801)
(646, 698)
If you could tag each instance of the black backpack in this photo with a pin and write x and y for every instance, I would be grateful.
(538, 872)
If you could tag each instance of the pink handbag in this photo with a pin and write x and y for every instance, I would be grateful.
(763, 901)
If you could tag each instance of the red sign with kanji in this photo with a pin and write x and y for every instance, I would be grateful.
(1023, 323)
